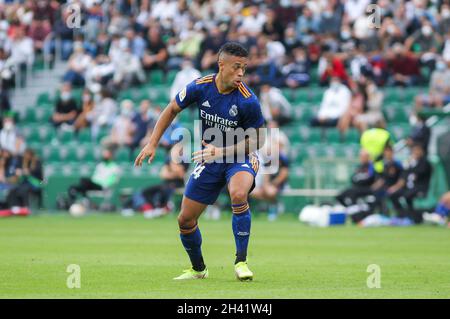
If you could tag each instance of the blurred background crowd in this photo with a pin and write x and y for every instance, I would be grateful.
(347, 47)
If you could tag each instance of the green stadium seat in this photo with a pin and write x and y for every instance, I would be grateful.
(297, 177)
(316, 151)
(84, 136)
(333, 135)
(123, 155)
(311, 135)
(156, 77)
(66, 136)
(171, 76)
(88, 152)
(29, 116)
(50, 154)
(352, 136)
(67, 154)
(44, 98)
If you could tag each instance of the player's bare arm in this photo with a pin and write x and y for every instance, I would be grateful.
(247, 146)
(164, 120)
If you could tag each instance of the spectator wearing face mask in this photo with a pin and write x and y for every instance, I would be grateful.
(66, 109)
(122, 128)
(87, 104)
(297, 71)
(103, 114)
(78, 65)
(10, 139)
(439, 89)
(187, 74)
(424, 44)
(22, 53)
(335, 102)
(274, 105)
(127, 68)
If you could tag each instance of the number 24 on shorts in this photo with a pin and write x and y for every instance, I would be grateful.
(197, 171)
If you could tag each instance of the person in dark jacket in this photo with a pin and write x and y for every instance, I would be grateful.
(414, 183)
(362, 180)
(391, 174)
(30, 176)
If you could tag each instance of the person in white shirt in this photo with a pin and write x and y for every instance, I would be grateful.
(274, 105)
(253, 23)
(355, 8)
(10, 138)
(103, 114)
(186, 75)
(22, 53)
(122, 128)
(128, 69)
(78, 64)
(335, 102)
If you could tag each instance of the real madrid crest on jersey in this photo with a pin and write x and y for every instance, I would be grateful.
(233, 110)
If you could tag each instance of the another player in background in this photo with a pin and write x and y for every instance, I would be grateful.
(225, 103)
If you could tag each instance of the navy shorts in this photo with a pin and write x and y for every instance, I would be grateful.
(207, 180)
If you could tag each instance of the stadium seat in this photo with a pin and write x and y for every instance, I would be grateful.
(123, 155)
(156, 77)
(333, 135)
(67, 154)
(44, 99)
(352, 136)
(50, 154)
(65, 136)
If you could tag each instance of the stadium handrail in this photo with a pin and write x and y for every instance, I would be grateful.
(436, 116)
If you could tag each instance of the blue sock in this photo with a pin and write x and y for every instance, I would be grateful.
(241, 229)
(192, 243)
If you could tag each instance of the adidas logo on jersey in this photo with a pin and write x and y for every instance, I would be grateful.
(245, 165)
(206, 104)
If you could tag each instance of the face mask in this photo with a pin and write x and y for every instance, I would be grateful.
(441, 66)
(65, 96)
(8, 126)
(426, 30)
(445, 14)
(125, 112)
(345, 35)
(391, 29)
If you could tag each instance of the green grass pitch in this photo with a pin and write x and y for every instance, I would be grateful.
(137, 258)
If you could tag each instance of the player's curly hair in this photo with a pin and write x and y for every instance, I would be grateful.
(234, 49)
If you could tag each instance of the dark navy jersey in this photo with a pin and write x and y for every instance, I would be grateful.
(392, 172)
(224, 112)
(364, 175)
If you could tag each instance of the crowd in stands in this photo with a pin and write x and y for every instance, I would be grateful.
(336, 44)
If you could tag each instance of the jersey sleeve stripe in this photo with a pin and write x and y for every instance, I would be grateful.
(203, 81)
(245, 94)
(207, 77)
(243, 89)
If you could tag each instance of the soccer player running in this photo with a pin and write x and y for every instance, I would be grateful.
(225, 103)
